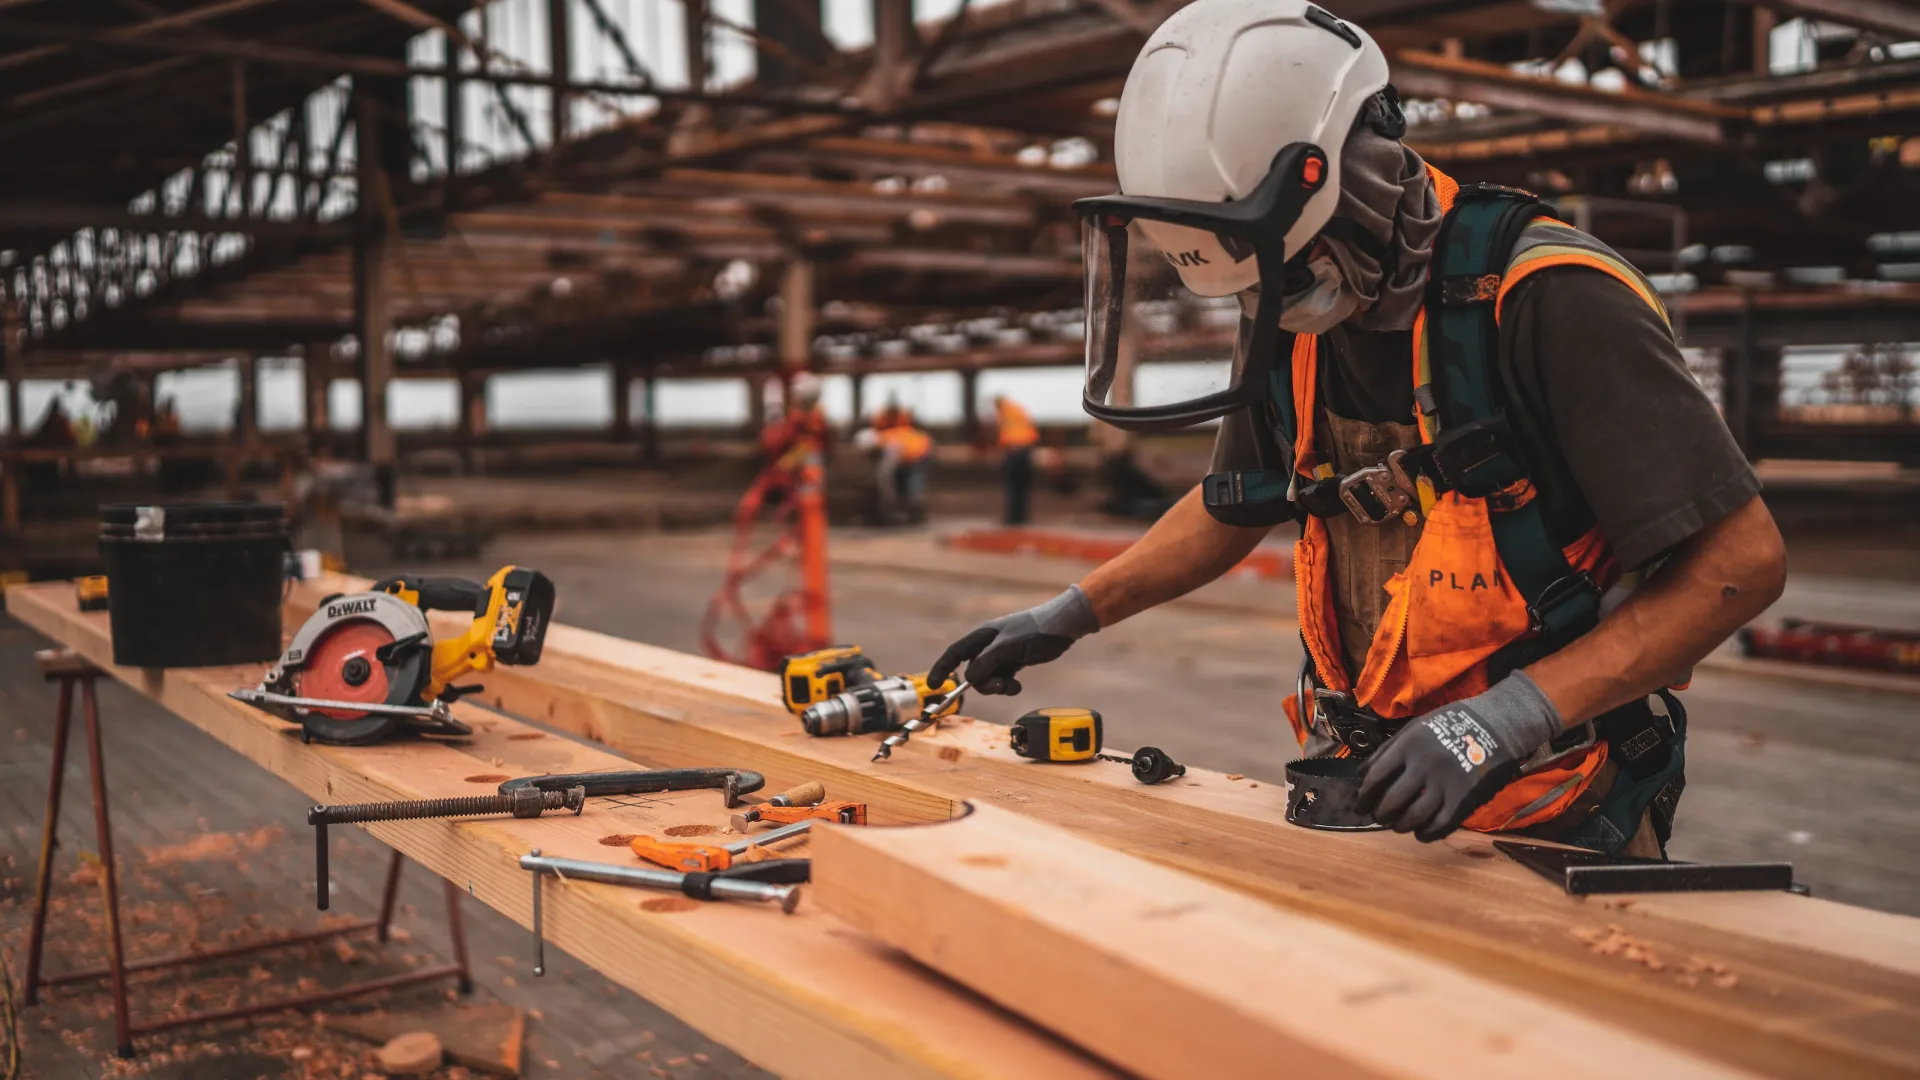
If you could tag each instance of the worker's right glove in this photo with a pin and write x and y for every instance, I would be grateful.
(999, 648)
(1443, 766)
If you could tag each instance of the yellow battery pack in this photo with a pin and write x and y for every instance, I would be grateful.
(810, 678)
(1058, 734)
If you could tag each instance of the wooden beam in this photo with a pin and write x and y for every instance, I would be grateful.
(797, 314)
(13, 354)
(1824, 989)
(372, 317)
(316, 381)
(805, 996)
(1895, 18)
(1422, 74)
(1170, 977)
(560, 69)
(163, 22)
(893, 42)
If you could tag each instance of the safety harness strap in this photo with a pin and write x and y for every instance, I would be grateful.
(1470, 256)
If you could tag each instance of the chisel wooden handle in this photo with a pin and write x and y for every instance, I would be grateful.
(806, 794)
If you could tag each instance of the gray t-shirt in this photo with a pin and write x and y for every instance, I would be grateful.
(1607, 419)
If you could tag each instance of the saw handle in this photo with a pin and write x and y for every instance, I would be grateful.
(440, 593)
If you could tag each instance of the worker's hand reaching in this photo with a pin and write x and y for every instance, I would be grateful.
(1442, 767)
(1001, 647)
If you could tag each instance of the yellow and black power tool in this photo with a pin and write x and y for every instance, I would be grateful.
(1075, 734)
(91, 593)
(365, 665)
(881, 705)
(811, 678)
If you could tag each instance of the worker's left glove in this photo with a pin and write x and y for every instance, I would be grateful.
(1445, 765)
(994, 651)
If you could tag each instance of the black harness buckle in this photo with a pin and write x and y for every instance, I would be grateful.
(1564, 604)
(1458, 453)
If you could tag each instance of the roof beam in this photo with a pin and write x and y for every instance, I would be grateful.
(1423, 74)
(339, 63)
(1899, 18)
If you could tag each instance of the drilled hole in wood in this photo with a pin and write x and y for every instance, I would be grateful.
(619, 839)
(487, 778)
(523, 736)
(985, 862)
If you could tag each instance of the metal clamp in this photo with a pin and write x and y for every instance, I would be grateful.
(1380, 483)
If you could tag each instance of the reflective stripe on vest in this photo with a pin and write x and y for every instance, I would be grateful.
(1452, 608)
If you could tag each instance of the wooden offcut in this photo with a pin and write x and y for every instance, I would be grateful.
(1171, 977)
(487, 1038)
(415, 1053)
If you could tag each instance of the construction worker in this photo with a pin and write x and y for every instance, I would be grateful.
(1016, 435)
(905, 453)
(1477, 414)
(802, 431)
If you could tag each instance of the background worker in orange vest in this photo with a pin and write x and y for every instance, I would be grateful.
(1478, 415)
(900, 475)
(1016, 436)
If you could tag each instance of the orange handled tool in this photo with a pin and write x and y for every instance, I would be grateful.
(846, 813)
(691, 858)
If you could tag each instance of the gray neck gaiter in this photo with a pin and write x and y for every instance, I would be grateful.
(1385, 189)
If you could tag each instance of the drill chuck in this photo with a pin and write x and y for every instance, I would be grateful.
(883, 705)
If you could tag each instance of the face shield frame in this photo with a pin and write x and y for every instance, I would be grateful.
(1261, 222)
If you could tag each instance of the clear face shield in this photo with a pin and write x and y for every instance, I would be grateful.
(1155, 268)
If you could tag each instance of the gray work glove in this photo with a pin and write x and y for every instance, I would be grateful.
(1003, 646)
(1443, 766)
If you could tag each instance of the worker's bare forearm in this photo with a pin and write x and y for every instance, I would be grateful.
(1184, 550)
(1714, 584)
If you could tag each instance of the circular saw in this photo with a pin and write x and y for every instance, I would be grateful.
(365, 666)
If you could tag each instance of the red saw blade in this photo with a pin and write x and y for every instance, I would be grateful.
(331, 661)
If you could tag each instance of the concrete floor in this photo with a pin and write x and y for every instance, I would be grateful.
(1821, 776)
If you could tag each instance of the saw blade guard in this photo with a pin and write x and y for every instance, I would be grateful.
(337, 654)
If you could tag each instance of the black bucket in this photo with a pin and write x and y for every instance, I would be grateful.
(194, 584)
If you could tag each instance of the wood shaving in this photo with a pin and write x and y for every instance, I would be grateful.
(210, 846)
(1236, 776)
(1613, 941)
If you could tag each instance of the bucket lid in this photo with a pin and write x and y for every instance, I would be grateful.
(201, 513)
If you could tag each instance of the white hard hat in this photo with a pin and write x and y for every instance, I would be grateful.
(806, 388)
(1216, 92)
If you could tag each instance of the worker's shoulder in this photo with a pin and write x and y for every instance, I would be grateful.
(1555, 264)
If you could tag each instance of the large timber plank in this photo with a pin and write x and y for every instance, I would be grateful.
(1820, 988)
(1117, 954)
(803, 995)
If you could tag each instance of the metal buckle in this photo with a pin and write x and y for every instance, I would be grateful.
(1547, 755)
(1386, 491)
(1559, 592)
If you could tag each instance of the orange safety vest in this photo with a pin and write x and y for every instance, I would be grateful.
(1453, 607)
(1016, 427)
(909, 442)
